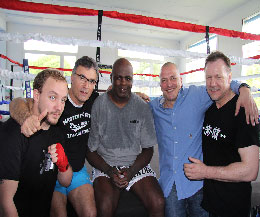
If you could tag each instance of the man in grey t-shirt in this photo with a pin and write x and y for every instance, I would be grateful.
(121, 146)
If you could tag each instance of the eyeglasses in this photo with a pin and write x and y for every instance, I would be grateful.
(83, 79)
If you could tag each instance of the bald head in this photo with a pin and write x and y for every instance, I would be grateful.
(122, 80)
(170, 82)
(169, 65)
(121, 64)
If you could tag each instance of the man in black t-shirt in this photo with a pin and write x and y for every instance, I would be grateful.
(75, 126)
(230, 147)
(27, 170)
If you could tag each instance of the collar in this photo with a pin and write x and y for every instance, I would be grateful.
(162, 99)
(74, 104)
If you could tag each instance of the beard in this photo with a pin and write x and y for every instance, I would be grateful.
(51, 121)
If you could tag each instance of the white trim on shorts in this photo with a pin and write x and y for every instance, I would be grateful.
(146, 171)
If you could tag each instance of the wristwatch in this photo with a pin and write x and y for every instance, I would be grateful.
(244, 85)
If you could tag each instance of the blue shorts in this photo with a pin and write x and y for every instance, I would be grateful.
(78, 179)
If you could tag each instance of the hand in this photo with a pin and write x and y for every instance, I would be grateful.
(246, 100)
(195, 170)
(58, 156)
(118, 177)
(143, 96)
(127, 172)
(33, 124)
(109, 88)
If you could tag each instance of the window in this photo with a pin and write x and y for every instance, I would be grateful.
(192, 64)
(45, 54)
(251, 25)
(144, 63)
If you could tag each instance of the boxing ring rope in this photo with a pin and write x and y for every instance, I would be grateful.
(19, 38)
(133, 18)
(138, 19)
(106, 72)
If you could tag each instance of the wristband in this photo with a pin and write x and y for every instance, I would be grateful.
(62, 161)
(244, 85)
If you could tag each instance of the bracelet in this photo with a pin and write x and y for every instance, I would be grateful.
(244, 85)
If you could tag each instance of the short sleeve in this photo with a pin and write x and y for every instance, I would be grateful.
(93, 140)
(247, 134)
(148, 135)
(10, 150)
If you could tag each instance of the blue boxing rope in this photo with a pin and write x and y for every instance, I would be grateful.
(4, 102)
(4, 112)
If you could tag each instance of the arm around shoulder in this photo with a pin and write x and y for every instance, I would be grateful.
(247, 101)
(21, 109)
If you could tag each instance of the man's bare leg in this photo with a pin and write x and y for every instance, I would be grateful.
(149, 191)
(83, 201)
(107, 196)
(58, 205)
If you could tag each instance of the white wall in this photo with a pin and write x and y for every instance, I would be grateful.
(231, 21)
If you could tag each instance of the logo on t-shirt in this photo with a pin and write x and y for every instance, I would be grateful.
(47, 163)
(79, 124)
(134, 121)
(76, 127)
(213, 132)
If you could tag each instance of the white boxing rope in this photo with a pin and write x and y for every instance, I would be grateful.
(242, 78)
(102, 80)
(136, 83)
(16, 75)
(12, 87)
(22, 37)
(106, 80)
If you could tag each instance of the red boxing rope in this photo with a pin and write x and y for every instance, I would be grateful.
(10, 60)
(133, 18)
(39, 67)
(108, 72)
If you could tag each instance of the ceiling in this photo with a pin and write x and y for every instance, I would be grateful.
(202, 12)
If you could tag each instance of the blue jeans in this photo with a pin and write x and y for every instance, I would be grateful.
(188, 207)
(236, 215)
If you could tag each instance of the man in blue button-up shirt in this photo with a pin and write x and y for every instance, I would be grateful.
(178, 117)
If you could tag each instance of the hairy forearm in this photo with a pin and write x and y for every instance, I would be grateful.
(235, 172)
(65, 177)
(142, 160)
(21, 109)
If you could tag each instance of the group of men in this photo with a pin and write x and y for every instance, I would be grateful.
(119, 145)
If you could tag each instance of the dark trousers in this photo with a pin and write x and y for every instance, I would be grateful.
(213, 215)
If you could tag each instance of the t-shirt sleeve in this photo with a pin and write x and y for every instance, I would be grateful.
(148, 135)
(10, 151)
(247, 134)
(93, 140)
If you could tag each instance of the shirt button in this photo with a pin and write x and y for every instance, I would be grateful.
(176, 157)
(176, 142)
(174, 128)
(175, 172)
